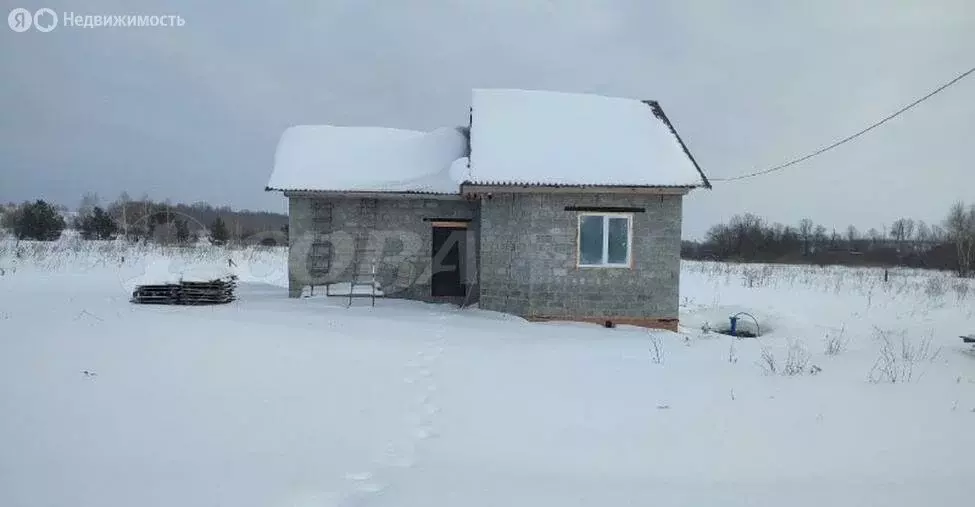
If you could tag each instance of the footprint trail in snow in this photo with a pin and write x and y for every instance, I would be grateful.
(400, 455)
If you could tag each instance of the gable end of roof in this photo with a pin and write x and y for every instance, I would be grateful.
(659, 113)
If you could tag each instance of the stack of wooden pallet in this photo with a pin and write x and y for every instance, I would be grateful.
(210, 292)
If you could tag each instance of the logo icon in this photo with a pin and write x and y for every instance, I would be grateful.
(45, 20)
(20, 19)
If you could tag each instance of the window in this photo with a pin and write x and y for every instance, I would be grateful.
(604, 240)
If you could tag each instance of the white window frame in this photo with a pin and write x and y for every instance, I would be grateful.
(628, 262)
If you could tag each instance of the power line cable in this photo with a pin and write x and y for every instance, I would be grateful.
(849, 138)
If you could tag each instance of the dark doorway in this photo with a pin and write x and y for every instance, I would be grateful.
(449, 245)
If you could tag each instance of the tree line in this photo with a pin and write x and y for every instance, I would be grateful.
(906, 242)
(744, 238)
(144, 220)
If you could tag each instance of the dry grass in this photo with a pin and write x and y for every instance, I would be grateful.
(796, 362)
(865, 281)
(75, 254)
(898, 360)
(836, 342)
(656, 349)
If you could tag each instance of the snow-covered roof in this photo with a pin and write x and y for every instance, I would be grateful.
(516, 137)
(555, 138)
(372, 159)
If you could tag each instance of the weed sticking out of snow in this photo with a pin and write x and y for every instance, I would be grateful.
(936, 287)
(839, 280)
(898, 360)
(135, 263)
(756, 276)
(767, 362)
(836, 342)
(797, 359)
(961, 289)
(656, 349)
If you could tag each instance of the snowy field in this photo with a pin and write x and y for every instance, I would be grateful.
(277, 402)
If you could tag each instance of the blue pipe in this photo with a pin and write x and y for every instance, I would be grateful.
(734, 323)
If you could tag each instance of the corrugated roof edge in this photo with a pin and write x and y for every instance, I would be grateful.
(468, 183)
(566, 185)
(340, 191)
(591, 187)
(659, 113)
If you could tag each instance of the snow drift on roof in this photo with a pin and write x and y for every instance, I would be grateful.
(554, 138)
(373, 159)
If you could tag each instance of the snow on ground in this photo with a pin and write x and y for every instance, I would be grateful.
(271, 401)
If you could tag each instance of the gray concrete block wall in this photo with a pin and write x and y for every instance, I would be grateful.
(528, 258)
(521, 256)
(398, 241)
(301, 234)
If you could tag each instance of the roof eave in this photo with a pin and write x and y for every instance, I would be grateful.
(473, 187)
(369, 194)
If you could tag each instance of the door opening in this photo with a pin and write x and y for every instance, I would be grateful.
(447, 259)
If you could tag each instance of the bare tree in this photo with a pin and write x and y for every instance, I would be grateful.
(875, 236)
(852, 235)
(901, 231)
(960, 226)
(897, 231)
(819, 237)
(834, 239)
(806, 233)
(923, 235)
(122, 218)
(908, 228)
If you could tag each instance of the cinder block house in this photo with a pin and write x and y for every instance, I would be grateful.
(547, 205)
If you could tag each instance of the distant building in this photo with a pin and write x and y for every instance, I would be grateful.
(547, 205)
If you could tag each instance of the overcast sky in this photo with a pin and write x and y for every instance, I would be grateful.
(194, 113)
